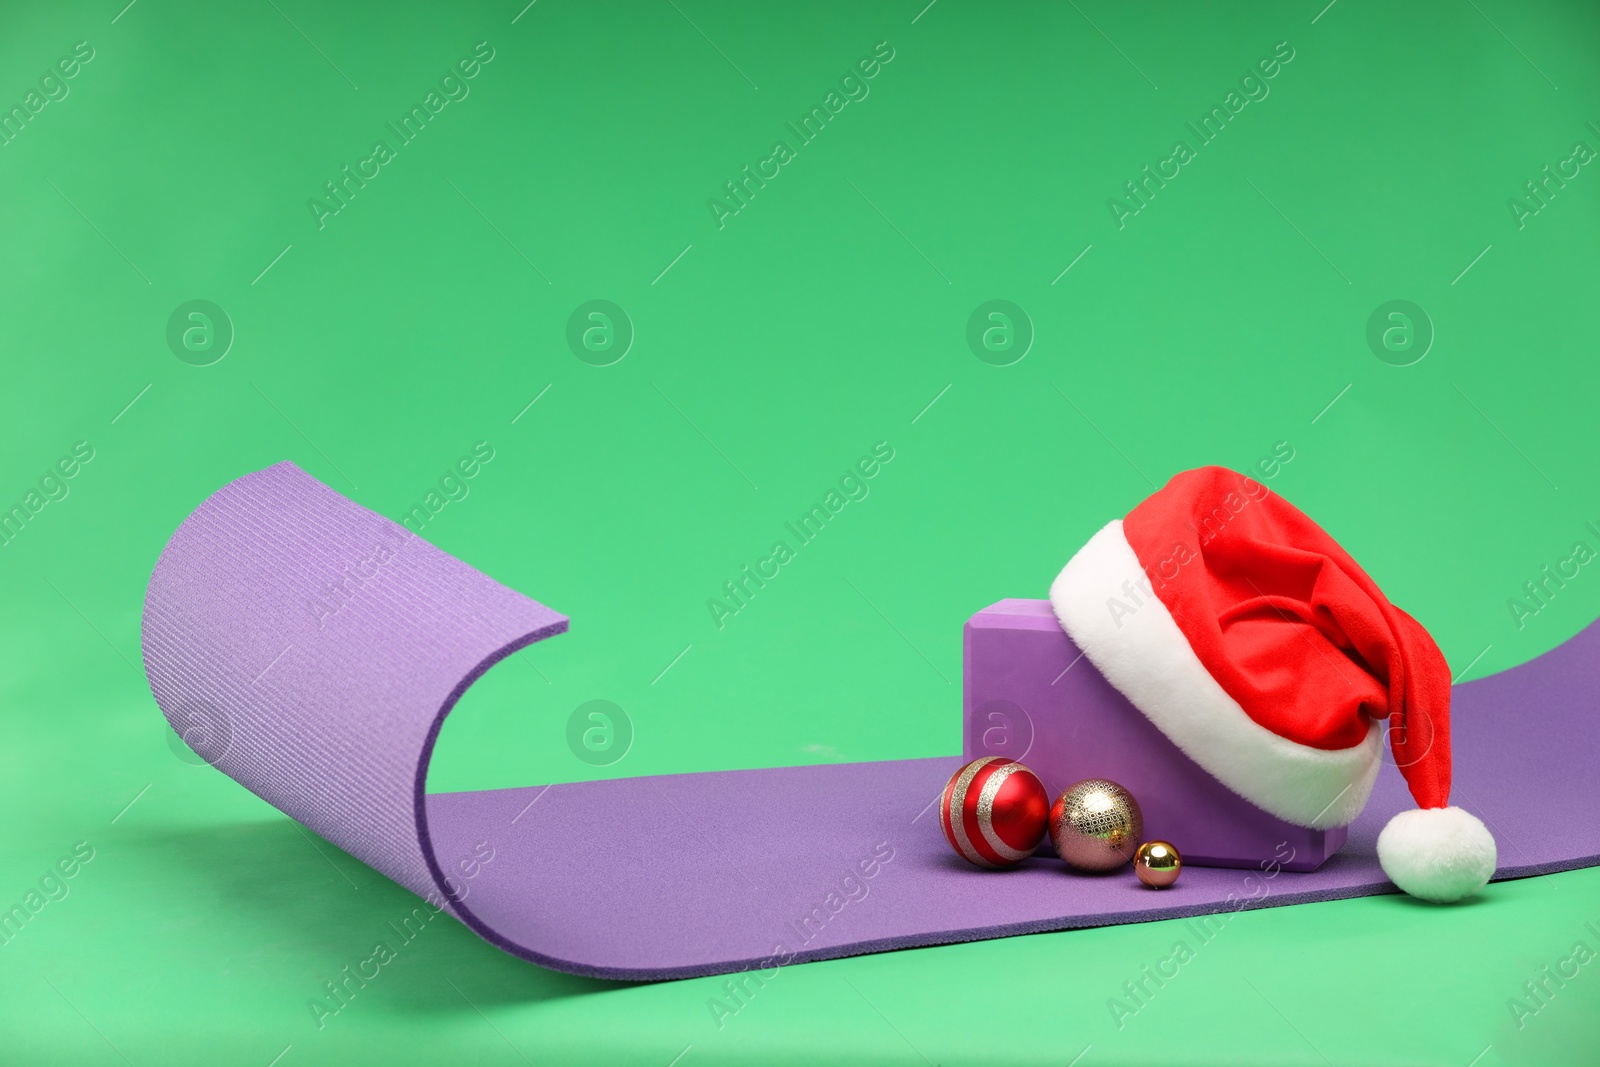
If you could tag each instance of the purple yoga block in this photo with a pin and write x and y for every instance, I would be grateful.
(1030, 694)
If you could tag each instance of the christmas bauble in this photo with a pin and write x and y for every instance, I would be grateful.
(993, 812)
(1157, 864)
(1096, 825)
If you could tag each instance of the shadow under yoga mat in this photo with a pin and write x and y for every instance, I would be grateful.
(328, 644)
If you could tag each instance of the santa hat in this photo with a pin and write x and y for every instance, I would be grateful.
(1262, 650)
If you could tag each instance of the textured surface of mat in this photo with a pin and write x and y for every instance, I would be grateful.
(322, 645)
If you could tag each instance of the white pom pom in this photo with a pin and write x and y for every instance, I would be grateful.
(1437, 854)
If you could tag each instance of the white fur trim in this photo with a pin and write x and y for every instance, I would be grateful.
(1143, 653)
(1437, 854)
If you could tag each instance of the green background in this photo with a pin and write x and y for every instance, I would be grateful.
(1227, 316)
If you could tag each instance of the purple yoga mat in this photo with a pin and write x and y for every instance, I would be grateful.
(318, 646)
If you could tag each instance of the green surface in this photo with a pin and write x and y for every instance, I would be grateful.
(1228, 315)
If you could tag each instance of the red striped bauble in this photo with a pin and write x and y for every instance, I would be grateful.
(994, 812)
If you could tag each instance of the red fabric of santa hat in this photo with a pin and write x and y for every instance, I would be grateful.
(1243, 631)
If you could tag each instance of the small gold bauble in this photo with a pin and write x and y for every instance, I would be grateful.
(1157, 864)
(1096, 825)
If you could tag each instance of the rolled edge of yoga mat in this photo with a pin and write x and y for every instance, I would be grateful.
(310, 649)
